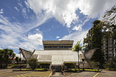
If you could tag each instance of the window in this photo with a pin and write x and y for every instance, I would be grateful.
(67, 47)
(60, 46)
(54, 46)
(48, 47)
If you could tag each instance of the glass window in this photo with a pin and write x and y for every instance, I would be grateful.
(48, 46)
(54, 46)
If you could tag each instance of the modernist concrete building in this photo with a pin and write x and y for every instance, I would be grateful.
(57, 53)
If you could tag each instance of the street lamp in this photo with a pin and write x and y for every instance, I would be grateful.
(83, 63)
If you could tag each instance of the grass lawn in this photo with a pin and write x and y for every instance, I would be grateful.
(10, 66)
(37, 69)
(13, 65)
(86, 70)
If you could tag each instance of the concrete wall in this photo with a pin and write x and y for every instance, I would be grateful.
(57, 45)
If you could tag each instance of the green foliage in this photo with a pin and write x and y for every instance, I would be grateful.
(17, 59)
(96, 42)
(33, 63)
(6, 56)
(70, 65)
(77, 47)
(94, 64)
(45, 64)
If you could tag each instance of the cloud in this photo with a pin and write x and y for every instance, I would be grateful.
(13, 47)
(76, 36)
(57, 37)
(0, 47)
(24, 13)
(65, 10)
(77, 27)
(1, 11)
(14, 35)
(16, 8)
(36, 39)
(18, 55)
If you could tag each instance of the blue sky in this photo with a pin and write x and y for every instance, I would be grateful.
(25, 23)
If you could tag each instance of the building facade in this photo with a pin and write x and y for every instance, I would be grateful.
(58, 45)
(108, 47)
(58, 53)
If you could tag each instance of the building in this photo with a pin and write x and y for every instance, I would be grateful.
(58, 53)
(108, 47)
(58, 45)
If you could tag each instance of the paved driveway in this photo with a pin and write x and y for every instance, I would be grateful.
(106, 73)
(11, 73)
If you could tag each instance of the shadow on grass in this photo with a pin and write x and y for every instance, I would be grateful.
(81, 70)
(39, 70)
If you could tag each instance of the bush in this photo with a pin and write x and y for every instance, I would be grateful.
(33, 63)
(45, 65)
(94, 64)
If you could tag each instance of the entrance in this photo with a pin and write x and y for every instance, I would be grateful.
(58, 68)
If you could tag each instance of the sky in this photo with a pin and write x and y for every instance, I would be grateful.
(26, 23)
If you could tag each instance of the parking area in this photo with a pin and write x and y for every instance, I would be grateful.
(11, 73)
(106, 73)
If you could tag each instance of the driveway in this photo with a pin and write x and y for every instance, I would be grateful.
(106, 73)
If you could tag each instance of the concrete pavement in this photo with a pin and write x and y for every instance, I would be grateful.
(10, 73)
(106, 73)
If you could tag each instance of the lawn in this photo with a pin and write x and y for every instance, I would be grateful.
(91, 70)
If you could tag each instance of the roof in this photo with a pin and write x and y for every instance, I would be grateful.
(58, 42)
(56, 57)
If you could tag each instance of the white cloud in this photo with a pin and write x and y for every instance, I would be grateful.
(36, 29)
(57, 37)
(13, 35)
(36, 39)
(0, 47)
(13, 47)
(65, 10)
(1, 11)
(24, 13)
(76, 36)
(77, 28)
(16, 8)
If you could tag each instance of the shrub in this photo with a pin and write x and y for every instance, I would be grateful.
(33, 63)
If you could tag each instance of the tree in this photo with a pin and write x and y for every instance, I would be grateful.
(33, 63)
(87, 41)
(77, 48)
(1, 58)
(5, 56)
(96, 42)
(17, 59)
(110, 16)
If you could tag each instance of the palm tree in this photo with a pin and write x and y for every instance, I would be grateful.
(78, 48)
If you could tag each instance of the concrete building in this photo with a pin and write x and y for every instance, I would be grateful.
(57, 53)
(58, 45)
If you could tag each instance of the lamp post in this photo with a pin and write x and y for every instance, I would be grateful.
(83, 63)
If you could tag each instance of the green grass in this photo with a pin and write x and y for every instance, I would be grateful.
(11, 66)
(37, 69)
(111, 69)
(92, 70)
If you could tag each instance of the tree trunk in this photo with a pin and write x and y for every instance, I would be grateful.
(78, 61)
